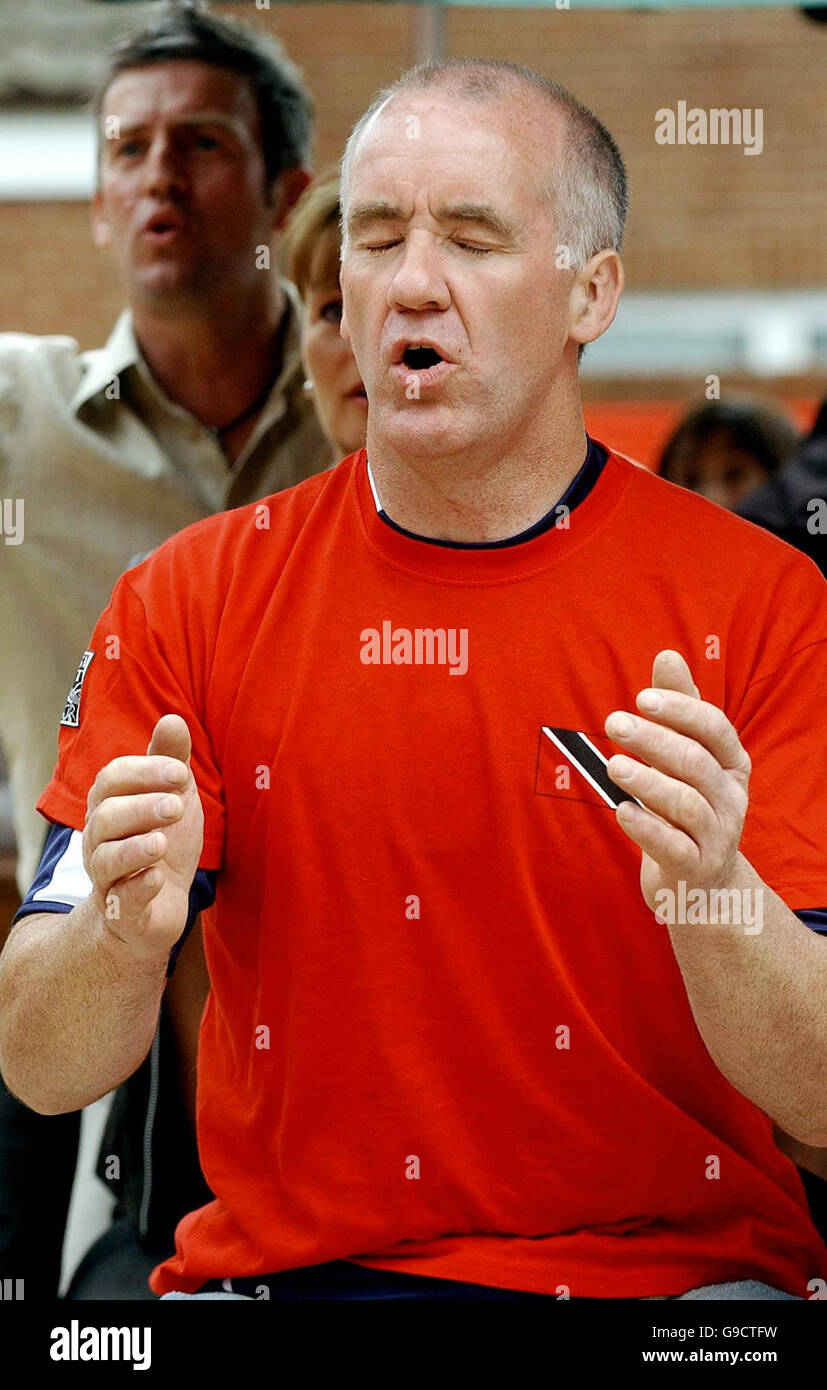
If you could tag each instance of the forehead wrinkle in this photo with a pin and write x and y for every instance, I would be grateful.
(523, 137)
(207, 118)
(220, 118)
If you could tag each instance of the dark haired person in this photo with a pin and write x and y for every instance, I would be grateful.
(724, 449)
(793, 502)
(194, 405)
(462, 1038)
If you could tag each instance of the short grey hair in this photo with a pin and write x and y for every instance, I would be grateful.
(588, 192)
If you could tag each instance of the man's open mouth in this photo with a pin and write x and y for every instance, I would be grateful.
(164, 222)
(419, 358)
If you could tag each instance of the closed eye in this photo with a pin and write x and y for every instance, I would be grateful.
(463, 245)
(475, 250)
(374, 248)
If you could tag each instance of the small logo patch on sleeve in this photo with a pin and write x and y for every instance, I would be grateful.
(71, 710)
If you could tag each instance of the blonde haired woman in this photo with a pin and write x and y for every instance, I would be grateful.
(311, 260)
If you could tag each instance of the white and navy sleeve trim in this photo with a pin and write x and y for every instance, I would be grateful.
(814, 917)
(61, 883)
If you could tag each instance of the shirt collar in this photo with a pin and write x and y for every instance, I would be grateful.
(579, 488)
(121, 352)
(291, 355)
(102, 365)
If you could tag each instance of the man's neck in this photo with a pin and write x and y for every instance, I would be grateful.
(479, 498)
(215, 361)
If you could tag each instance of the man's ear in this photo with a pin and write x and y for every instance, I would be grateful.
(101, 229)
(285, 192)
(594, 296)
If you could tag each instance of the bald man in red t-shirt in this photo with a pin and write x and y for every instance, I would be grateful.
(507, 981)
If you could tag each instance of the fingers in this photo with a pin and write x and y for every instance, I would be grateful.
(119, 816)
(677, 854)
(124, 834)
(128, 898)
(118, 859)
(674, 801)
(674, 755)
(691, 778)
(133, 775)
(694, 719)
(670, 671)
(171, 738)
(130, 803)
(684, 781)
(120, 839)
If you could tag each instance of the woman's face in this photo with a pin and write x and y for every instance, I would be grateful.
(338, 393)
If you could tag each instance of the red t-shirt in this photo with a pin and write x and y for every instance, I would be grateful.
(445, 1033)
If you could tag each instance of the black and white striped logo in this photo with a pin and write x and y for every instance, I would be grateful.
(582, 754)
(71, 710)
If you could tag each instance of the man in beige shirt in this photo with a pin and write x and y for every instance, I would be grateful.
(101, 465)
(194, 405)
(104, 454)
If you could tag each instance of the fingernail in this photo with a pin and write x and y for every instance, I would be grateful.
(167, 806)
(172, 772)
(621, 767)
(621, 725)
(650, 700)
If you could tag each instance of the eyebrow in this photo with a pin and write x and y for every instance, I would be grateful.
(482, 214)
(365, 213)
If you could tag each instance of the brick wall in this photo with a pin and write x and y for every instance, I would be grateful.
(702, 216)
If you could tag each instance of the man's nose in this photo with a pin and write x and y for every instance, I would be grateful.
(164, 171)
(418, 281)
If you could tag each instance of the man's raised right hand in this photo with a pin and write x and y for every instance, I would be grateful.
(142, 840)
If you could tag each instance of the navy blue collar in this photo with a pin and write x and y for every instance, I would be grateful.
(579, 488)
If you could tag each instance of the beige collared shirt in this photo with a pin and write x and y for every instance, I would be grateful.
(106, 467)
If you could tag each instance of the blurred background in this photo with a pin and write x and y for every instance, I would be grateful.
(724, 251)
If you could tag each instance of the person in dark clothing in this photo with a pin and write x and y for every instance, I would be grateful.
(148, 1157)
(793, 503)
